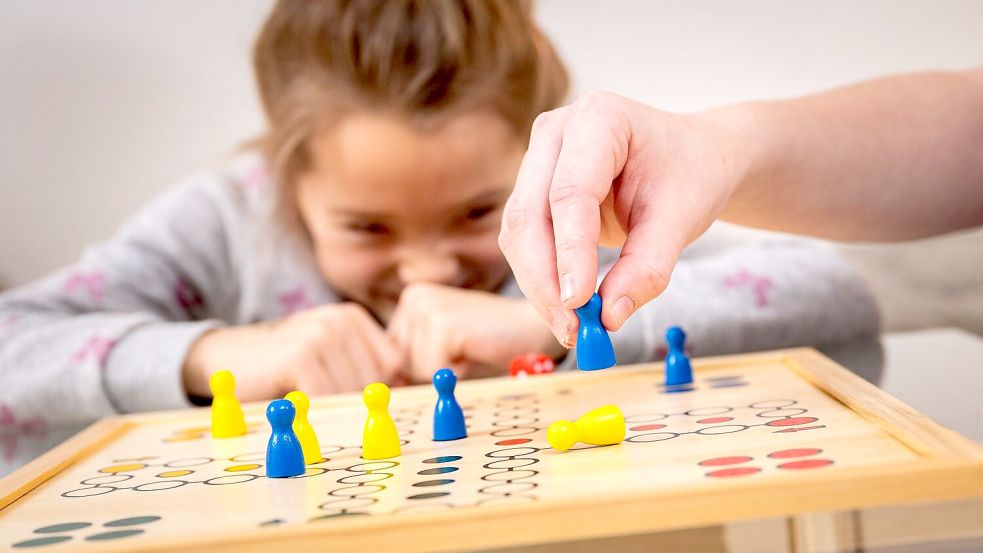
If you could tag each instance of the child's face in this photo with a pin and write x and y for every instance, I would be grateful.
(388, 204)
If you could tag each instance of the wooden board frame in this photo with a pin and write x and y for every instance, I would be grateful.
(948, 466)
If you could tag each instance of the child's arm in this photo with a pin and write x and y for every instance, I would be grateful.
(110, 333)
(889, 159)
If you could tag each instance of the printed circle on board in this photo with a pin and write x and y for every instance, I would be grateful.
(131, 521)
(806, 464)
(249, 457)
(783, 412)
(38, 542)
(773, 404)
(242, 468)
(644, 427)
(114, 535)
(793, 421)
(365, 477)
(509, 475)
(437, 482)
(127, 467)
(509, 488)
(715, 420)
(175, 473)
(436, 470)
(707, 411)
(346, 503)
(231, 479)
(108, 479)
(90, 492)
(160, 485)
(512, 452)
(651, 437)
(511, 463)
(719, 461)
(646, 417)
(443, 459)
(429, 495)
(799, 452)
(377, 465)
(722, 429)
(357, 490)
(514, 441)
(63, 527)
(192, 462)
(509, 431)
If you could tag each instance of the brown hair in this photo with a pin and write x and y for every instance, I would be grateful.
(421, 59)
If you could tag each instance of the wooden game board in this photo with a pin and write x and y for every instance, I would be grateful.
(756, 435)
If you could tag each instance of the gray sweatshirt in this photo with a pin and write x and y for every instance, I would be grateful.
(109, 334)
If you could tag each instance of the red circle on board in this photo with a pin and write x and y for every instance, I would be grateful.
(792, 421)
(716, 462)
(648, 427)
(736, 471)
(801, 452)
(806, 464)
(713, 420)
(514, 441)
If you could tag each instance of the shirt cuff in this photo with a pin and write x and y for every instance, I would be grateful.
(143, 371)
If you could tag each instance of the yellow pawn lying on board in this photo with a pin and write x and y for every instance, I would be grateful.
(602, 426)
(302, 427)
(227, 417)
(380, 440)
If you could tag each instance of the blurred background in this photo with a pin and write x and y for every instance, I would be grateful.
(106, 102)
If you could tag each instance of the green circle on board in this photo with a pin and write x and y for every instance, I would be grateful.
(132, 521)
(37, 542)
(117, 534)
(64, 527)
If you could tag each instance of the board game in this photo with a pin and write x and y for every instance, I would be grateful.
(755, 435)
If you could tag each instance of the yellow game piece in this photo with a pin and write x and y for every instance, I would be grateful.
(602, 426)
(227, 417)
(380, 440)
(303, 429)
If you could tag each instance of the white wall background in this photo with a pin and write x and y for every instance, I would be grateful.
(105, 102)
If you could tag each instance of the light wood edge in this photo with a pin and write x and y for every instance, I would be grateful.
(903, 422)
(549, 521)
(20, 482)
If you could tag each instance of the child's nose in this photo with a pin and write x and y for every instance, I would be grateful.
(430, 267)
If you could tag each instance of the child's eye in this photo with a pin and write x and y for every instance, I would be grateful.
(479, 212)
(368, 228)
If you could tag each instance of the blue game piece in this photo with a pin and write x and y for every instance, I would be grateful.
(284, 456)
(594, 349)
(448, 419)
(678, 369)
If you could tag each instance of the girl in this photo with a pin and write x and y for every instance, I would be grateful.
(358, 242)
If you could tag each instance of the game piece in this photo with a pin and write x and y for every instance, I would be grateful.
(284, 456)
(302, 427)
(602, 426)
(594, 349)
(531, 364)
(448, 418)
(380, 440)
(678, 369)
(227, 417)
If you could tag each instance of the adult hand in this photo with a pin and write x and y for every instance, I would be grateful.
(609, 171)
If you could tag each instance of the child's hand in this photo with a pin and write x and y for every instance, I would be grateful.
(602, 170)
(467, 330)
(327, 349)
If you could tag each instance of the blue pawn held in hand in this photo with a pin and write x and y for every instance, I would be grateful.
(594, 349)
(678, 369)
(448, 418)
(284, 455)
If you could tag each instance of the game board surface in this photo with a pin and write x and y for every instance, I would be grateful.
(745, 423)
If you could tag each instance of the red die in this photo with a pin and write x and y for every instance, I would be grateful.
(531, 364)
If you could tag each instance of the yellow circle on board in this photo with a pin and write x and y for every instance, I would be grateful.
(173, 473)
(240, 468)
(123, 468)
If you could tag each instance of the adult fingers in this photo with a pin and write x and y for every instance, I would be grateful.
(526, 237)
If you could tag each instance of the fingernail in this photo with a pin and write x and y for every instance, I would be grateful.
(623, 308)
(562, 325)
(566, 287)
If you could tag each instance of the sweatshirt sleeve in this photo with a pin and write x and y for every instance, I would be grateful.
(777, 293)
(740, 295)
(109, 334)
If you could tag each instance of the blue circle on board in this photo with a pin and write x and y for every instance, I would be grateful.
(64, 527)
(436, 470)
(38, 542)
(132, 521)
(114, 535)
(443, 459)
(430, 495)
(427, 483)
